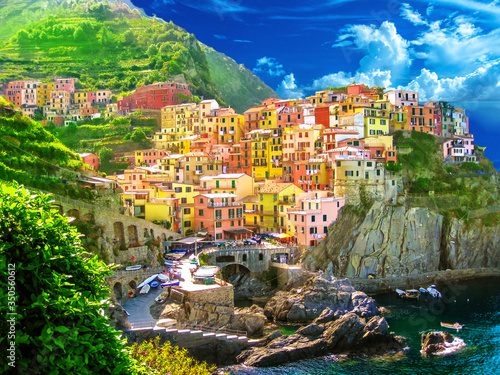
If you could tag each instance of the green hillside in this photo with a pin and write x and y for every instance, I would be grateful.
(30, 154)
(108, 45)
(237, 84)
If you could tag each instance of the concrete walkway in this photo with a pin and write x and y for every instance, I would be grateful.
(138, 307)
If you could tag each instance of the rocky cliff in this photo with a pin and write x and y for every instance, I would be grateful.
(397, 240)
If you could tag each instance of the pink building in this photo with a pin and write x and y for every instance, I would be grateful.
(221, 216)
(65, 84)
(154, 96)
(459, 148)
(22, 93)
(310, 219)
(91, 160)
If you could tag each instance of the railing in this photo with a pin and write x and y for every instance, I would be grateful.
(140, 272)
(146, 324)
(224, 204)
(200, 327)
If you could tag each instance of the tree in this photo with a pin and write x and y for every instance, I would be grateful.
(105, 154)
(58, 290)
(138, 135)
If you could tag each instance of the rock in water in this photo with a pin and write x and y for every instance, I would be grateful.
(440, 343)
(348, 334)
(321, 296)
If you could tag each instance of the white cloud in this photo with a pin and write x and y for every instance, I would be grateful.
(429, 9)
(376, 77)
(481, 85)
(222, 37)
(411, 15)
(242, 41)
(456, 46)
(288, 89)
(384, 48)
(269, 65)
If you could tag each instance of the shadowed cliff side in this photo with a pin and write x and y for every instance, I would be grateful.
(397, 240)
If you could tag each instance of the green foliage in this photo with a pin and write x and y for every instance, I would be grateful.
(393, 167)
(422, 185)
(167, 359)
(204, 259)
(138, 135)
(469, 166)
(59, 292)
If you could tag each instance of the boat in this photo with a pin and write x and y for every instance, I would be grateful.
(145, 289)
(434, 292)
(170, 283)
(163, 277)
(133, 268)
(423, 290)
(162, 297)
(411, 294)
(147, 281)
(456, 326)
(400, 292)
(154, 284)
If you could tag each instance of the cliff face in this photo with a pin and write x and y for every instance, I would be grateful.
(399, 241)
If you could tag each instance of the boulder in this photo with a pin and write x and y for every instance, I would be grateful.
(321, 296)
(251, 319)
(440, 343)
(348, 334)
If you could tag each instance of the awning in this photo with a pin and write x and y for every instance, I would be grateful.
(238, 231)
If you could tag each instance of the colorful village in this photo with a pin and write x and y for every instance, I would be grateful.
(283, 168)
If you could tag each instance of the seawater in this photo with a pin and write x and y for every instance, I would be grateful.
(475, 303)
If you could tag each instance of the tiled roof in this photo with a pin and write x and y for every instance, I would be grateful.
(274, 187)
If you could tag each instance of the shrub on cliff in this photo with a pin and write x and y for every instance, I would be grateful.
(60, 326)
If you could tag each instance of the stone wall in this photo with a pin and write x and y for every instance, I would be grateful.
(212, 307)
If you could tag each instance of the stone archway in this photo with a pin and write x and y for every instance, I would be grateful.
(89, 217)
(74, 213)
(132, 285)
(118, 290)
(119, 233)
(228, 270)
(132, 234)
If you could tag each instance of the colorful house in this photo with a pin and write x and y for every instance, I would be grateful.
(220, 215)
(239, 184)
(309, 220)
(91, 160)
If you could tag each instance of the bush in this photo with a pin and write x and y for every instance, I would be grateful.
(59, 290)
(470, 166)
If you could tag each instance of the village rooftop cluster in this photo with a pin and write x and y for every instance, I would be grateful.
(285, 166)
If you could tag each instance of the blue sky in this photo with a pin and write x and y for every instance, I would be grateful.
(445, 49)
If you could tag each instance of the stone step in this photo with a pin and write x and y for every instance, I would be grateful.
(208, 334)
(231, 337)
(182, 331)
(253, 341)
(170, 330)
(220, 335)
(242, 338)
(196, 332)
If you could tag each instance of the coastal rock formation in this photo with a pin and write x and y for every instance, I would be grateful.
(248, 287)
(394, 240)
(250, 319)
(348, 334)
(321, 296)
(440, 343)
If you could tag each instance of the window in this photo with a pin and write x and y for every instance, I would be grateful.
(369, 164)
(184, 200)
(188, 189)
(218, 224)
(244, 258)
(325, 218)
(313, 218)
(232, 223)
(218, 214)
(187, 211)
(301, 229)
(201, 200)
(187, 224)
(200, 213)
(261, 256)
(313, 230)
(349, 173)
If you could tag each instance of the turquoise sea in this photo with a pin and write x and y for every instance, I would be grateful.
(475, 303)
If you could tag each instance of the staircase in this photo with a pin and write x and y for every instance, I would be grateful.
(195, 333)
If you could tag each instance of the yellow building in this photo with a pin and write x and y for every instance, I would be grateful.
(185, 210)
(199, 164)
(80, 97)
(43, 93)
(270, 213)
(60, 101)
(377, 119)
(239, 184)
(171, 166)
(230, 128)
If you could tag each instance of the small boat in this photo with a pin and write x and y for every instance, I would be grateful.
(411, 294)
(456, 326)
(434, 292)
(147, 281)
(162, 297)
(423, 290)
(154, 284)
(400, 292)
(145, 289)
(163, 277)
(170, 283)
(133, 268)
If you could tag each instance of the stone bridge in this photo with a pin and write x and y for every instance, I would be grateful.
(254, 258)
(118, 229)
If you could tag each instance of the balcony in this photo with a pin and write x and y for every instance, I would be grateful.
(198, 172)
(259, 164)
(224, 204)
(267, 213)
